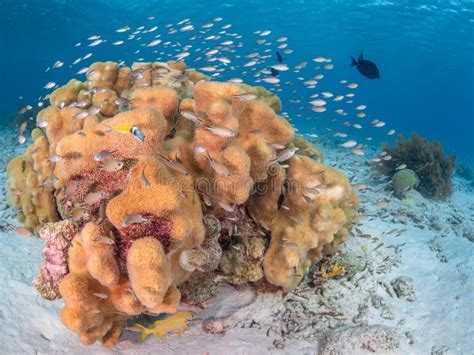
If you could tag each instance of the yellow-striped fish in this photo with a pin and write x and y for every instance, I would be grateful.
(177, 321)
(127, 128)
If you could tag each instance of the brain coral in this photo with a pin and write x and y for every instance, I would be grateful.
(404, 180)
(163, 175)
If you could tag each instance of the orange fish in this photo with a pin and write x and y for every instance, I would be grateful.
(22, 231)
(381, 203)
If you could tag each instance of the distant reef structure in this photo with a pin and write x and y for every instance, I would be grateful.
(151, 182)
(433, 168)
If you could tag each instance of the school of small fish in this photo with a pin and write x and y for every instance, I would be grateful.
(222, 53)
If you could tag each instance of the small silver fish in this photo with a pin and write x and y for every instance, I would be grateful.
(42, 124)
(58, 64)
(80, 115)
(136, 74)
(189, 115)
(103, 155)
(94, 197)
(271, 80)
(246, 97)
(221, 132)
(199, 149)
(22, 128)
(50, 85)
(218, 168)
(314, 190)
(207, 200)
(79, 214)
(112, 166)
(280, 67)
(277, 146)
(132, 219)
(122, 101)
(174, 165)
(80, 104)
(102, 296)
(226, 207)
(96, 42)
(104, 240)
(93, 111)
(296, 219)
(349, 144)
(54, 158)
(285, 155)
(181, 78)
(357, 151)
(153, 43)
(97, 89)
(145, 181)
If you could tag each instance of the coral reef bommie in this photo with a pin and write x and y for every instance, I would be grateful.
(180, 181)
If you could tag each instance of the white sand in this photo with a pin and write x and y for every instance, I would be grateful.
(440, 320)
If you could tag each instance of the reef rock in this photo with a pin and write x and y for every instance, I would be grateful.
(404, 287)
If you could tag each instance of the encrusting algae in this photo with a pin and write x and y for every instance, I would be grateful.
(162, 175)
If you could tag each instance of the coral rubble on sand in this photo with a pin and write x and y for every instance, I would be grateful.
(170, 181)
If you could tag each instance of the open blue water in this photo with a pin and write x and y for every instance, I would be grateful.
(424, 50)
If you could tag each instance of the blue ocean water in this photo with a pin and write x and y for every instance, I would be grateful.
(424, 50)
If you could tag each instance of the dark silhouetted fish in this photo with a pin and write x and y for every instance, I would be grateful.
(280, 60)
(366, 67)
(279, 57)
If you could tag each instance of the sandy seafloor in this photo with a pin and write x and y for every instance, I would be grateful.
(433, 244)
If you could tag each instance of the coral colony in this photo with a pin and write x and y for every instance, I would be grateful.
(142, 179)
(431, 168)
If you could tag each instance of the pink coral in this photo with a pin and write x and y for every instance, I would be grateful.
(58, 237)
(156, 227)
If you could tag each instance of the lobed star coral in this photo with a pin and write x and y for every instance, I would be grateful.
(206, 188)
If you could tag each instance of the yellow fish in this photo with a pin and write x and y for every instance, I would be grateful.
(177, 321)
(128, 128)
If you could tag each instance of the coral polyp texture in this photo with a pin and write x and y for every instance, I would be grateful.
(148, 182)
